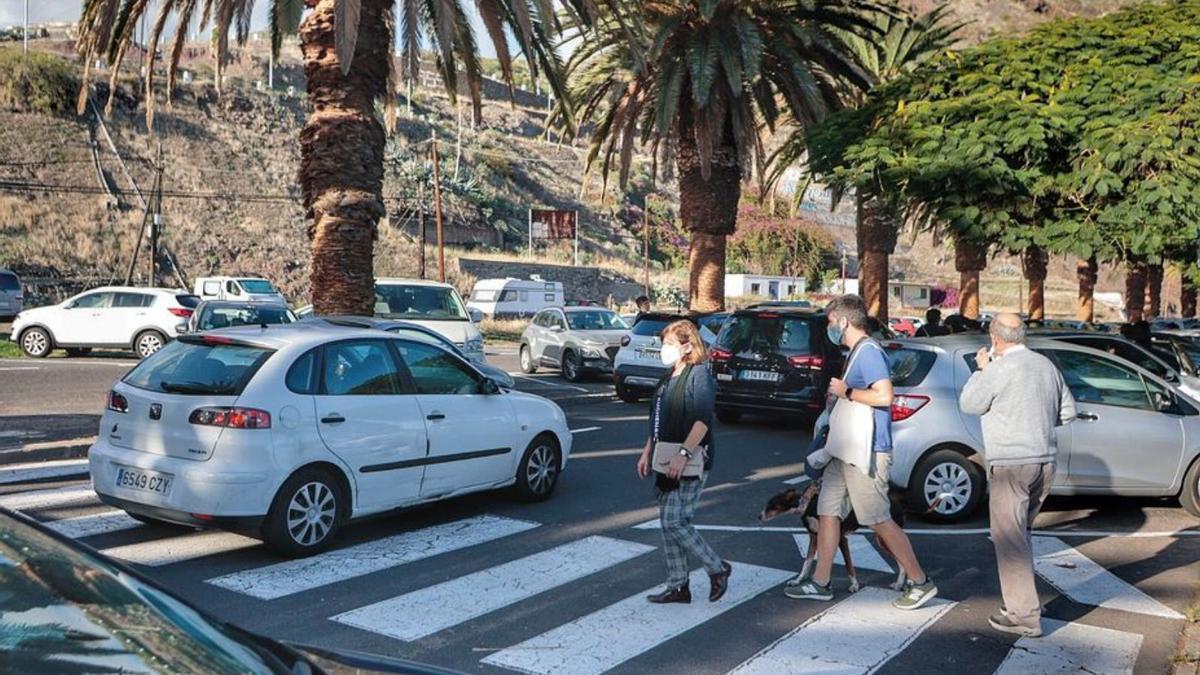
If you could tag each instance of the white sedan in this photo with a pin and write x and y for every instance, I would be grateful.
(289, 431)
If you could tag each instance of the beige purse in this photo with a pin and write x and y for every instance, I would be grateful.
(665, 452)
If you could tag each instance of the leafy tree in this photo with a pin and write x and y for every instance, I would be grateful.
(765, 243)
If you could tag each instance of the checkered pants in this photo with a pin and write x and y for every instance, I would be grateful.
(675, 511)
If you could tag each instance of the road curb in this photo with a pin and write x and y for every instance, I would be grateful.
(44, 454)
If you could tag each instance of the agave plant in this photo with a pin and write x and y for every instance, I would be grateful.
(349, 67)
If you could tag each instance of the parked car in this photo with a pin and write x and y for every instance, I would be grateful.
(12, 298)
(58, 588)
(287, 433)
(434, 305)
(120, 317)
(213, 314)
(903, 326)
(245, 289)
(577, 340)
(1136, 434)
(637, 367)
(514, 298)
(1179, 348)
(1158, 363)
(773, 360)
(410, 330)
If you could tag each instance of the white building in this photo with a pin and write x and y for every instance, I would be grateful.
(762, 285)
(901, 294)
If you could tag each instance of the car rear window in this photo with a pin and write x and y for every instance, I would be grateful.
(910, 366)
(9, 282)
(769, 333)
(199, 368)
(649, 326)
(189, 301)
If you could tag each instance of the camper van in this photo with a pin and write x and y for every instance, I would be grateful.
(515, 298)
(245, 289)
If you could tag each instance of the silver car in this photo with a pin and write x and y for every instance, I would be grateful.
(11, 298)
(1135, 435)
(577, 340)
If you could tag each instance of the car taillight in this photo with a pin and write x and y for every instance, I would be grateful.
(905, 406)
(806, 361)
(718, 354)
(234, 418)
(182, 312)
(117, 402)
(624, 340)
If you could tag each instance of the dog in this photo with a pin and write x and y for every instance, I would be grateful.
(804, 503)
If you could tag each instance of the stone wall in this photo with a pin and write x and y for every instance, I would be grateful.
(579, 283)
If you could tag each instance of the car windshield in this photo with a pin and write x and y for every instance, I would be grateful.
(768, 333)
(199, 367)
(257, 286)
(423, 303)
(223, 317)
(65, 610)
(9, 282)
(1189, 353)
(595, 320)
(650, 327)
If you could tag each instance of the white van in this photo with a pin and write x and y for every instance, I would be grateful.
(434, 305)
(515, 298)
(245, 289)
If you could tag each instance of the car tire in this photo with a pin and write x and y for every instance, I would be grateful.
(950, 473)
(537, 473)
(37, 343)
(572, 366)
(147, 342)
(528, 366)
(79, 351)
(1190, 495)
(625, 393)
(316, 494)
(729, 415)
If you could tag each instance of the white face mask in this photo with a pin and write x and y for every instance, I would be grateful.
(670, 355)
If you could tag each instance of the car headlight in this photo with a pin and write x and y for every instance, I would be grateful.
(473, 345)
(592, 351)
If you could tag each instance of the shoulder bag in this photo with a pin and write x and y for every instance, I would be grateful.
(852, 426)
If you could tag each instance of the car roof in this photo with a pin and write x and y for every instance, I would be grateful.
(791, 310)
(582, 308)
(398, 281)
(300, 334)
(137, 289)
(242, 303)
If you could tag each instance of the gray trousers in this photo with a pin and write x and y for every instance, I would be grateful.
(675, 511)
(1016, 493)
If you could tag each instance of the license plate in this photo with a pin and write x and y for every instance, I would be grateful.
(130, 478)
(648, 354)
(760, 375)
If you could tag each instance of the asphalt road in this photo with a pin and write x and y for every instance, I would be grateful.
(486, 584)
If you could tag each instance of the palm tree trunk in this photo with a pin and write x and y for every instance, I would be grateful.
(341, 157)
(877, 232)
(706, 272)
(970, 258)
(1086, 272)
(1034, 260)
(1187, 298)
(1135, 290)
(1154, 282)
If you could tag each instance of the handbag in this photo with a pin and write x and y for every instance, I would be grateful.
(664, 452)
(852, 429)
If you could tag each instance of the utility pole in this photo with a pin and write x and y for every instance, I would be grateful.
(646, 244)
(437, 209)
(458, 142)
(575, 226)
(271, 68)
(421, 225)
(156, 218)
(25, 31)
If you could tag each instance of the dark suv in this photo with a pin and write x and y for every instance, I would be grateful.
(773, 360)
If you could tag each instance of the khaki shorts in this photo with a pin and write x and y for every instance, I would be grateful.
(844, 487)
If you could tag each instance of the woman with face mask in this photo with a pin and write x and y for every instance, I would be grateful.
(681, 420)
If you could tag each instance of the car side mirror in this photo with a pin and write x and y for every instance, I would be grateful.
(181, 328)
(1162, 402)
(475, 314)
(488, 387)
(556, 328)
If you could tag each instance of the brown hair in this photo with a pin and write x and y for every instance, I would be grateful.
(686, 333)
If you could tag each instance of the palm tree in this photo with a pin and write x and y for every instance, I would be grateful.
(693, 81)
(349, 66)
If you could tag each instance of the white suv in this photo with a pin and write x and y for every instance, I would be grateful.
(286, 432)
(122, 317)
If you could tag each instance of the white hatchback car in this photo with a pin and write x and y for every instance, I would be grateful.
(286, 432)
(115, 317)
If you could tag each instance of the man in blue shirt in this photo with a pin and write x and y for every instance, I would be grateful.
(867, 381)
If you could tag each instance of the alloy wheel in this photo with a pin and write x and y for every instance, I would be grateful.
(949, 486)
(526, 358)
(570, 368)
(541, 469)
(311, 513)
(35, 343)
(148, 344)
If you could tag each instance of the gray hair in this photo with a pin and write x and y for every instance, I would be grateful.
(1010, 334)
(850, 307)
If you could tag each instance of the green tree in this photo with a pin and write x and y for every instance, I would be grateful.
(348, 65)
(766, 243)
(693, 81)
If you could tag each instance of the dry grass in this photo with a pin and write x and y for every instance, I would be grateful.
(502, 330)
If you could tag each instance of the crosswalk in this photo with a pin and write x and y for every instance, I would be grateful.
(858, 633)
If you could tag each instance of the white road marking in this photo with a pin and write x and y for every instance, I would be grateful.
(68, 362)
(861, 550)
(548, 383)
(16, 473)
(424, 612)
(857, 635)
(93, 524)
(1070, 648)
(20, 368)
(797, 480)
(44, 499)
(949, 532)
(585, 430)
(599, 454)
(294, 576)
(1081, 579)
(611, 636)
(171, 550)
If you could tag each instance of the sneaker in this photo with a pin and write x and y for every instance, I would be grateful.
(916, 595)
(1002, 623)
(810, 590)
(797, 580)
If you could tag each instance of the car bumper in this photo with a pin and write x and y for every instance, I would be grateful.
(805, 402)
(202, 493)
(639, 377)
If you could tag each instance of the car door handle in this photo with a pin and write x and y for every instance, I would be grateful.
(335, 418)
(435, 416)
(1087, 416)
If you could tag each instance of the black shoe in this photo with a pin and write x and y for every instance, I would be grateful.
(719, 583)
(681, 594)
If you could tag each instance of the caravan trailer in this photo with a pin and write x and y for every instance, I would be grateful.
(514, 298)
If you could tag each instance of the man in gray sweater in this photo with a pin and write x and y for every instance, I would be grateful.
(1021, 397)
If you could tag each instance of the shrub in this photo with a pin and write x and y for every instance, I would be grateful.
(36, 82)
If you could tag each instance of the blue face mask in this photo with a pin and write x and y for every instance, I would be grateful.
(835, 332)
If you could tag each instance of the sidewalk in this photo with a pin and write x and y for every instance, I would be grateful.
(39, 438)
